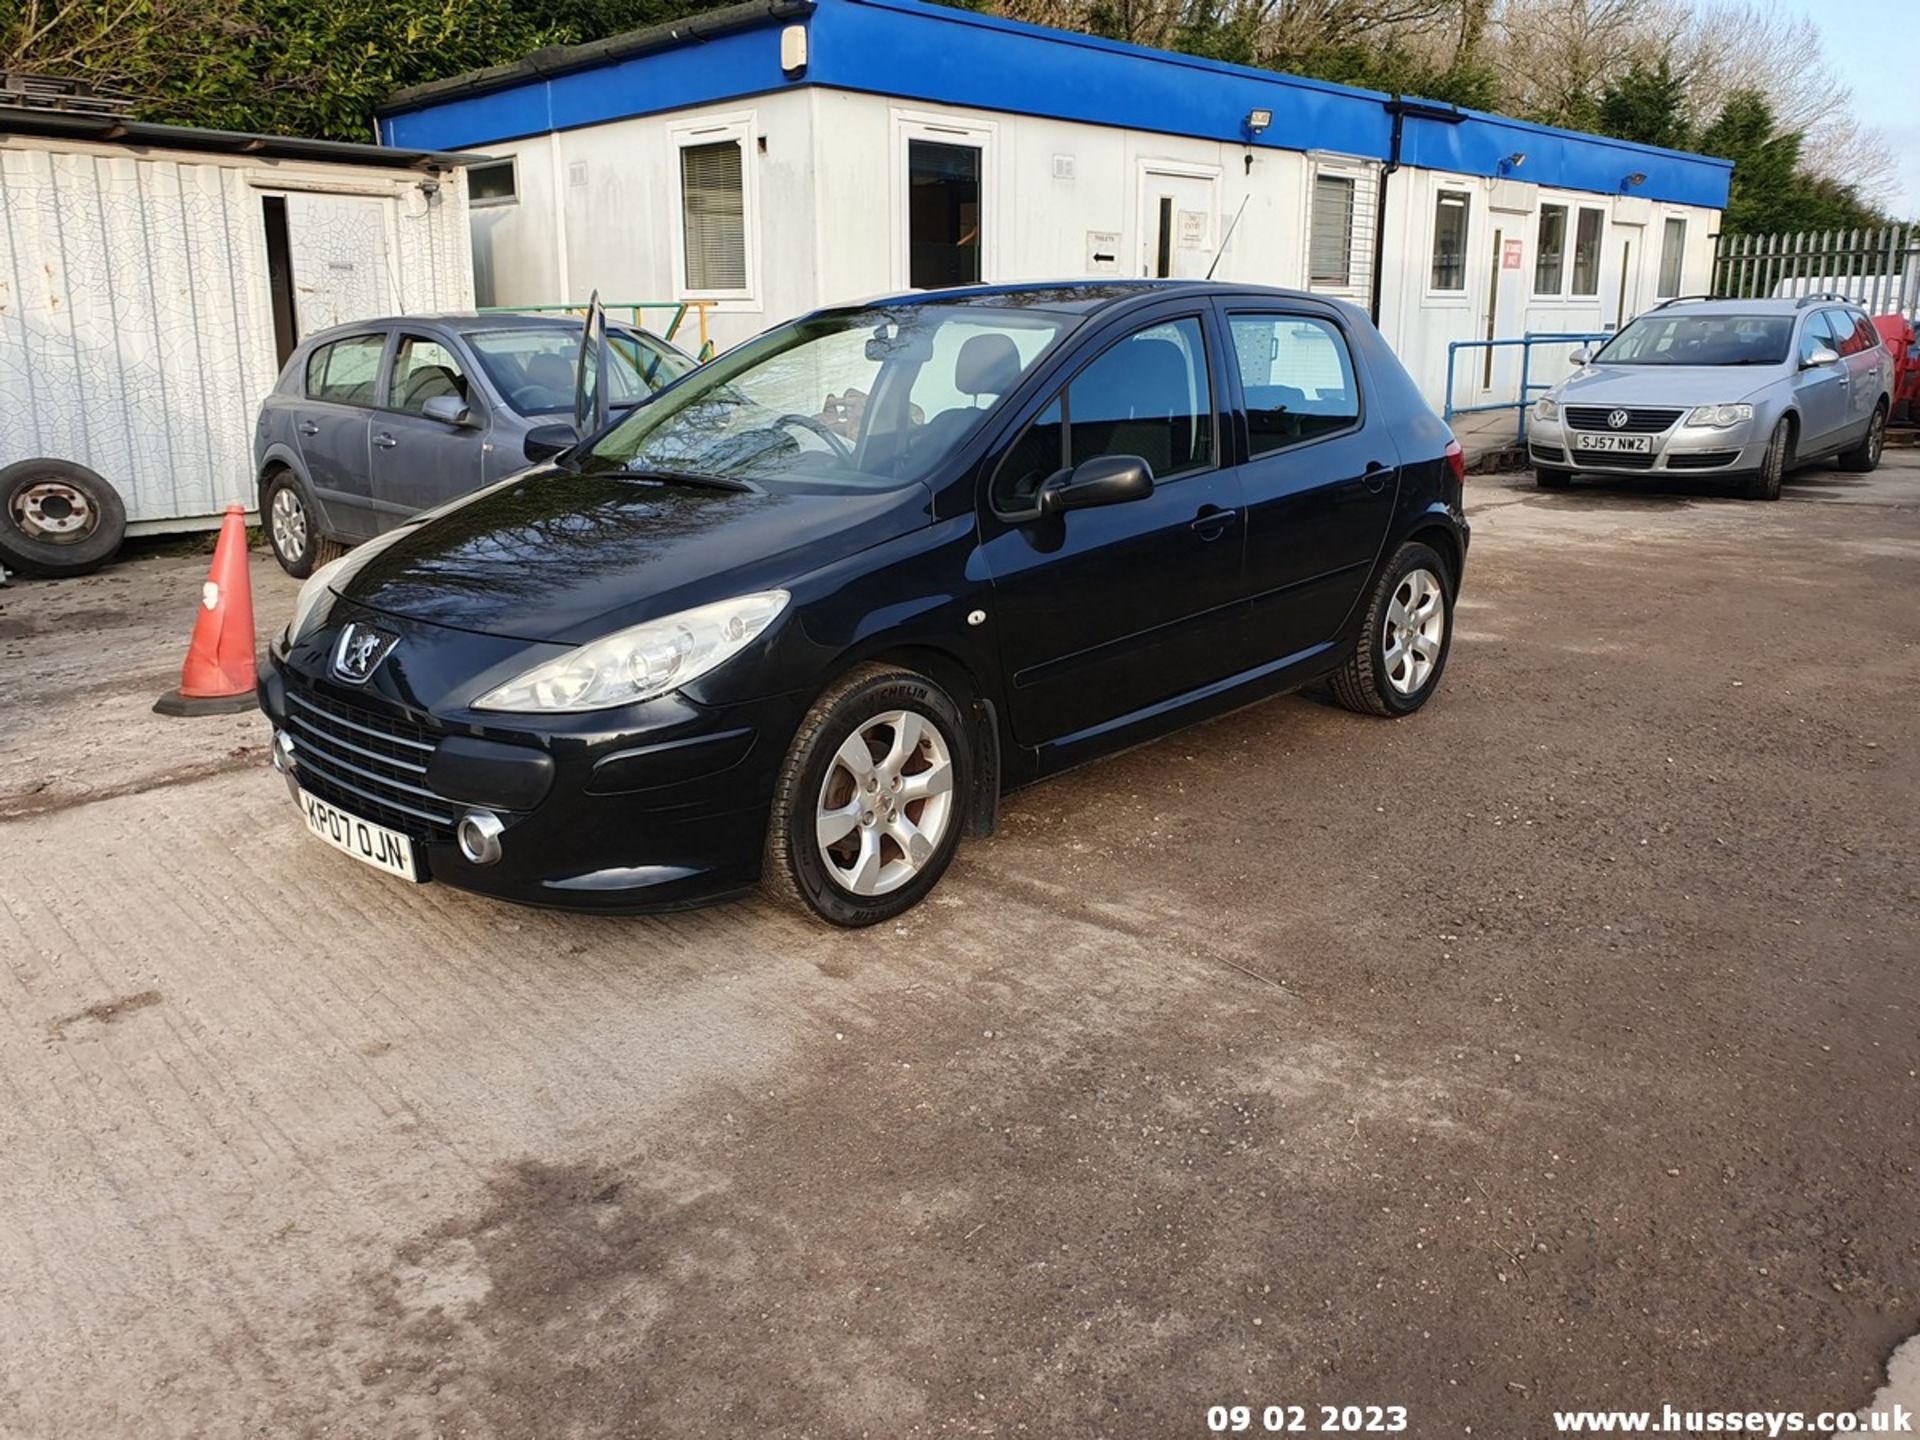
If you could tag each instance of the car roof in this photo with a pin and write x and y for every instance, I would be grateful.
(1073, 297)
(468, 322)
(1759, 305)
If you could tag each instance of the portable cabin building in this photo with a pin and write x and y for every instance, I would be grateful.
(154, 278)
(773, 157)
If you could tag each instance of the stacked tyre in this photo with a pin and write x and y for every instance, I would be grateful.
(58, 518)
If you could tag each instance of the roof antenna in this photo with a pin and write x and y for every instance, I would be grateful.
(1229, 235)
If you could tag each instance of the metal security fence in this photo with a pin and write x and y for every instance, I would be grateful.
(1878, 268)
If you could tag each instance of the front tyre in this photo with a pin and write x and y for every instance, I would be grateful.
(1765, 483)
(1405, 637)
(867, 810)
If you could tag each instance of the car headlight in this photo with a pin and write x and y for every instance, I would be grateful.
(1720, 417)
(641, 662)
(1546, 408)
(312, 591)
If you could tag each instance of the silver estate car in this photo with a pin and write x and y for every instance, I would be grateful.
(1743, 388)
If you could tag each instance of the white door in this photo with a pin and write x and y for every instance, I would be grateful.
(1505, 317)
(1179, 223)
(341, 260)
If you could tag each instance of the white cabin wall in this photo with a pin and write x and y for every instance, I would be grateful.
(136, 321)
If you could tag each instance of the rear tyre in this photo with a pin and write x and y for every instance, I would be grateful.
(293, 532)
(868, 808)
(1764, 484)
(58, 519)
(1552, 479)
(1864, 458)
(1405, 637)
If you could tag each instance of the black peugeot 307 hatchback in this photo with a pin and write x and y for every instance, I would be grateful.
(804, 616)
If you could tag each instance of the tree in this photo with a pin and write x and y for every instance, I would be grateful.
(1647, 103)
(1771, 193)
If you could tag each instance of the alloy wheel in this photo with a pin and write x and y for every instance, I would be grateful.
(886, 803)
(289, 522)
(1412, 633)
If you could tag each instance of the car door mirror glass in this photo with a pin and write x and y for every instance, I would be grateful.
(1821, 355)
(1103, 480)
(544, 442)
(447, 409)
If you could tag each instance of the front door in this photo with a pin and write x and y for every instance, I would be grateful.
(1821, 392)
(341, 260)
(418, 461)
(1179, 221)
(1319, 481)
(1104, 613)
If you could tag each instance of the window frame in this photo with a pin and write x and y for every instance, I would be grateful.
(1660, 292)
(1465, 196)
(956, 130)
(511, 163)
(1206, 316)
(1580, 214)
(738, 128)
(327, 347)
(1228, 310)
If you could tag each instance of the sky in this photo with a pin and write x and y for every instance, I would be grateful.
(1868, 44)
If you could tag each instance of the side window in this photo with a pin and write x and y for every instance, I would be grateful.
(1840, 327)
(1586, 251)
(713, 216)
(346, 371)
(1673, 253)
(1864, 332)
(422, 369)
(1147, 395)
(1330, 232)
(1297, 378)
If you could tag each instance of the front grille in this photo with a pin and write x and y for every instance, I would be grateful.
(1639, 421)
(1612, 460)
(1548, 454)
(370, 763)
(1701, 459)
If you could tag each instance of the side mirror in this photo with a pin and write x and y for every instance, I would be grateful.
(1581, 357)
(544, 442)
(448, 410)
(1103, 480)
(1820, 355)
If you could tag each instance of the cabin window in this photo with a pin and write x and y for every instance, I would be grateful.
(713, 215)
(1673, 251)
(1450, 215)
(1330, 239)
(1550, 256)
(943, 214)
(1586, 251)
(495, 183)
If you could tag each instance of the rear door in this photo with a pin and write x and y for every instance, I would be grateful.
(1863, 354)
(340, 387)
(1104, 613)
(419, 462)
(1820, 391)
(1319, 475)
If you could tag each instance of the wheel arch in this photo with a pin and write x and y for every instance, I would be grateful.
(1441, 536)
(959, 679)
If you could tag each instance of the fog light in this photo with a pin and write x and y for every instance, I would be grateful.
(479, 835)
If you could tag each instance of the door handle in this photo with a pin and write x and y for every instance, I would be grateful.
(1376, 475)
(385, 441)
(307, 427)
(1212, 522)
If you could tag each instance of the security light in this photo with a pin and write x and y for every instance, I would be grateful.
(1258, 120)
(1636, 178)
(1515, 160)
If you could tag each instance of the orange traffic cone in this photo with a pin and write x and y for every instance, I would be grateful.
(218, 677)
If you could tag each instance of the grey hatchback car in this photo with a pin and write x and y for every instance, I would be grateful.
(1744, 388)
(371, 423)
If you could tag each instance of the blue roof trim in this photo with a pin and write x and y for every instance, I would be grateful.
(911, 50)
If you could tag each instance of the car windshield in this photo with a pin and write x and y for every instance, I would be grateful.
(854, 399)
(534, 368)
(1668, 339)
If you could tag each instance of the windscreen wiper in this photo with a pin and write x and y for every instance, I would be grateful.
(682, 477)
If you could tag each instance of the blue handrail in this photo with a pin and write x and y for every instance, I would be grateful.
(1527, 384)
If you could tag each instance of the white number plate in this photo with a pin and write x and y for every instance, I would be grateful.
(1617, 444)
(372, 844)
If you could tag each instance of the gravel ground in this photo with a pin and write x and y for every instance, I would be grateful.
(1557, 1047)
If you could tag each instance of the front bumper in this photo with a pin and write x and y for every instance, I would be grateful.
(1681, 448)
(659, 806)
